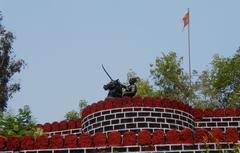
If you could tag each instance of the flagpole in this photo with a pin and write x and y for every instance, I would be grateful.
(189, 55)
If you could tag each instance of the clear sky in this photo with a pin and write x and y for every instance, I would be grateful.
(65, 42)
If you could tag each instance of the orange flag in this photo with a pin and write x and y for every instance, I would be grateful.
(186, 19)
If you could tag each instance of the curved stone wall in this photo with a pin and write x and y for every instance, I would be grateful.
(136, 119)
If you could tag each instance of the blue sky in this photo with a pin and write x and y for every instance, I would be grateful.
(65, 42)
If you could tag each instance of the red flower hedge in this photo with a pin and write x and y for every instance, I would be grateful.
(108, 103)
(56, 141)
(71, 141)
(114, 138)
(182, 106)
(157, 102)
(186, 136)
(219, 112)
(237, 111)
(13, 143)
(166, 103)
(41, 142)
(216, 135)
(173, 104)
(100, 105)
(117, 103)
(201, 135)
(144, 137)
(198, 113)
(85, 140)
(93, 107)
(63, 125)
(148, 102)
(230, 111)
(55, 126)
(231, 135)
(208, 112)
(158, 137)
(27, 143)
(47, 127)
(129, 138)
(71, 124)
(99, 139)
(172, 137)
(78, 123)
(137, 101)
(2, 143)
(127, 102)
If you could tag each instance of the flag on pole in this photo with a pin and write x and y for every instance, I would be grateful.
(186, 19)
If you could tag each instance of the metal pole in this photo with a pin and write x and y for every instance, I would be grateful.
(189, 54)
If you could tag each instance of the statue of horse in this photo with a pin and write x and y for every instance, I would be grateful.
(115, 89)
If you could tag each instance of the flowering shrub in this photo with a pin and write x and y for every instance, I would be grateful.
(27, 143)
(63, 125)
(158, 137)
(157, 102)
(237, 111)
(71, 124)
(47, 127)
(201, 135)
(173, 137)
(208, 112)
(148, 101)
(219, 112)
(231, 135)
(2, 143)
(108, 103)
(71, 141)
(198, 113)
(41, 142)
(144, 137)
(114, 138)
(79, 123)
(99, 139)
(173, 104)
(100, 105)
(181, 105)
(137, 101)
(13, 143)
(129, 138)
(230, 111)
(117, 103)
(93, 107)
(85, 140)
(166, 103)
(186, 136)
(216, 135)
(86, 111)
(56, 141)
(55, 126)
(126, 102)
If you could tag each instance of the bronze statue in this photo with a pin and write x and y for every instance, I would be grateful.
(131, 89)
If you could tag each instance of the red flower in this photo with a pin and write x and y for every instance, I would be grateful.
(144, 137)
(198, 113)
(47, 127)
(108, 103)
(231, 135)
(56, 141)
(127, 102)
(237, 111)
(63, 125)
(158, 137)
(71, 141)
(71, 124)
(100, 105)
(79, 123)
(114, 138)
(157, 102)
(86, 111)
(99, 139)
(2, 143)
(208, 112)
(166, 103)
(201, 135)
(181, 105)
(85, 140)
(27, 143)
(117, 103)
(93, 107)
(129, 138)
(230, 111)
(173, 104)
(186, 136)
(173, 137)
(55, 126)
(137, 101)
(41, 142)
(13, 143)
(219, 112)
(148, 101)
(216, 135)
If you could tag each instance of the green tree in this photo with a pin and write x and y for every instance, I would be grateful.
(82, 105)
(72, 115)
(9, 66)
(169, 77)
